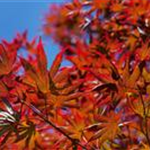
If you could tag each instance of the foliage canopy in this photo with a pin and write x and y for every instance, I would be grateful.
(101, 101)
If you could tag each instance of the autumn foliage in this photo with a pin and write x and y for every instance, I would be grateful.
(101, 101)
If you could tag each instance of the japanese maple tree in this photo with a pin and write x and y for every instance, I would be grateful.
(101, 101)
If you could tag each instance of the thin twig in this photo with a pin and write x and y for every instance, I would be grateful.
(38, 112)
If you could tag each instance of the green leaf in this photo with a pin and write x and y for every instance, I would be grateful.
(4, 130)
(74, 147)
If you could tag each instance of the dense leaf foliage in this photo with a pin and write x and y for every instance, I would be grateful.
(101, 101)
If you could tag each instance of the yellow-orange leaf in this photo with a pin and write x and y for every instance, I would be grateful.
(107, 127)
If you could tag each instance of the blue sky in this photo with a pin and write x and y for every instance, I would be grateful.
(19, 15)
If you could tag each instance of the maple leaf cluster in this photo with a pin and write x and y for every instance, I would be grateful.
(99, 102)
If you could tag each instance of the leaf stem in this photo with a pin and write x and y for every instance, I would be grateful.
(145, 119)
